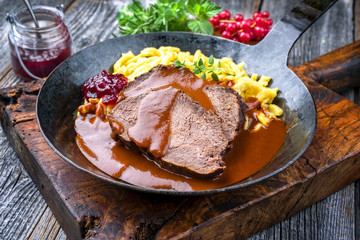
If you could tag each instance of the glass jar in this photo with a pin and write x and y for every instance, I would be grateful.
(35, 52)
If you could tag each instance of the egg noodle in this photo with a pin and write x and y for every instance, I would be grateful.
(134, 65)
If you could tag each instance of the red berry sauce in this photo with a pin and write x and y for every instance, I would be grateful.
(106, 86)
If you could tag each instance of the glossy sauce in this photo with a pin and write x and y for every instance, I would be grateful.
(152, 128)
(174, 77)
(252, 150)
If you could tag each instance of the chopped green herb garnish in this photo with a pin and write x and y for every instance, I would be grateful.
(199, 67)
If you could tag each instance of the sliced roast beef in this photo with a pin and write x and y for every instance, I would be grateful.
(198, 138)
(229, 106)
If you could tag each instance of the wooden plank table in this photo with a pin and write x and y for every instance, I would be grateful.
(23, 212)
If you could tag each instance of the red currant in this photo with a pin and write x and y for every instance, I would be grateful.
(232, 27)
(265, 14)
(259, 32)
(223, 26)
(259, 21)
(269, 22)
(224, 15)
(244, 37)
(251, 34)
(242, 30)
(251, 22)
(214, 21)
(226, 34)
(266, 30)
(235, 38)
(238, 17)
(245, 24)
(256, 14)
(239, 26)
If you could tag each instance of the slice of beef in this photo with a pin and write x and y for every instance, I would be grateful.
(199, 138)
(227, 103)
(197, 144)
(229, 106)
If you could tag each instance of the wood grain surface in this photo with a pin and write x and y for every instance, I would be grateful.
(90, 208)
(23, 212)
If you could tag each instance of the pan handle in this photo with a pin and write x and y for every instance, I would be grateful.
(292, 25)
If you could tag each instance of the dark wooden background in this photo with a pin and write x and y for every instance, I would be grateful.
(25, 215)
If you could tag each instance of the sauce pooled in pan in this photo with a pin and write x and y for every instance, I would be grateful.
(252, 150)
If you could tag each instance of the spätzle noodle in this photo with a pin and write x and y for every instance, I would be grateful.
(134, 65)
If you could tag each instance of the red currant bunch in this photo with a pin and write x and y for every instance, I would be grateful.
(240, 29)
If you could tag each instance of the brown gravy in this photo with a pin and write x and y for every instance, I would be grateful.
(252, 150)
(174, 77)
(152, 128)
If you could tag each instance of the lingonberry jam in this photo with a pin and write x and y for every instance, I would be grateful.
(106, 86)
(36, 51)
(39, 62)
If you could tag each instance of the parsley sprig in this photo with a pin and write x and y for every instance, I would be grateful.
(168, 15)
(212, 69)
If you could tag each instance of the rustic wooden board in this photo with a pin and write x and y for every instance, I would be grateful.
(87, 207)
(23, 211)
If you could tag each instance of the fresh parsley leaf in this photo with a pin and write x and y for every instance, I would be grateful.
(191, 6)
(211, 60)
(214, 76)
(199, 67)
(197, 70)
(201, 26)
(200, 62)
(177, 63)
(203, 9)
(167, 15)
(209, 9)
(203, 75)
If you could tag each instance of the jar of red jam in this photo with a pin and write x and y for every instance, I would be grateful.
(36, 51)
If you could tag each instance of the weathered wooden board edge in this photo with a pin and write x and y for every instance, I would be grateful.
(41, 180)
